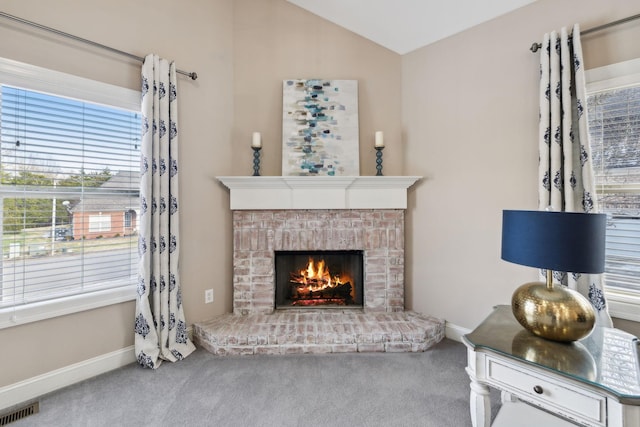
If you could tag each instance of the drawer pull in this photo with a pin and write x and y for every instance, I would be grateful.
(537, 389)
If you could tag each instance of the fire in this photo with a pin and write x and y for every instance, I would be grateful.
(314, 285)
(315, 277)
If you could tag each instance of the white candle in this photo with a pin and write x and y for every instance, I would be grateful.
(256, 141)
(379, 139)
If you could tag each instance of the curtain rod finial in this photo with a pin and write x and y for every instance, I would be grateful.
(193, 75)
(534, 47)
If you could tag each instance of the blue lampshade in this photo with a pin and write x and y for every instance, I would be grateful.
(559, 241)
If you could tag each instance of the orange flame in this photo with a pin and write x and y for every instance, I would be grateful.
(316, 276)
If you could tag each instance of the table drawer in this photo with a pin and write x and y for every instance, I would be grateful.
(575, 403)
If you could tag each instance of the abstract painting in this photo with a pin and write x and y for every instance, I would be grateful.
(320, 128)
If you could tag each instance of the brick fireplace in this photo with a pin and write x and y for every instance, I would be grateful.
(258, 234)
(318, 214)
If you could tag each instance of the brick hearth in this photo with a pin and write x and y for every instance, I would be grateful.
(364, 213)
(318, 331)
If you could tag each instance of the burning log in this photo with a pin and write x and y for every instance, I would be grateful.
(316, 302)
(340, 292)
(311, 282)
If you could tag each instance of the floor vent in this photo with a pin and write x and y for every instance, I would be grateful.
(20, 413)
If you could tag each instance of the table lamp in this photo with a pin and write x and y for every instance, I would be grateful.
(554, 241)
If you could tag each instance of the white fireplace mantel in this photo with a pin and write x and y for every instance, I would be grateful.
(318, 192)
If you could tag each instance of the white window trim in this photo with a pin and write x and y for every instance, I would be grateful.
(54, 82)
(33, 312)
(623, 305)
(31, 77)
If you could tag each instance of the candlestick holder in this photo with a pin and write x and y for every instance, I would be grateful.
(256, 160)
(379, 160)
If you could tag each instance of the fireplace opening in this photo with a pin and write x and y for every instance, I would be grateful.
(312, 279)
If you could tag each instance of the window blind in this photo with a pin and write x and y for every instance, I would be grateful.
(69, 191)
(614, 128)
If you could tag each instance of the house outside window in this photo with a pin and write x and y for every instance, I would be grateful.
(69, 159)
(613, 107)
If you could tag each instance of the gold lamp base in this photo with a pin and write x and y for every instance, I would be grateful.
(554, 313)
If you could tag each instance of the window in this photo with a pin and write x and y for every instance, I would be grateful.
(613, 106)
(69, 156)
(98, 223)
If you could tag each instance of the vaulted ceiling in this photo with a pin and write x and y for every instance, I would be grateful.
(406, 25)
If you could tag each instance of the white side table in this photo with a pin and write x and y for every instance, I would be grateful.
(593, 382)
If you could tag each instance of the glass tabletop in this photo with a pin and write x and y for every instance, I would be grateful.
(607, 358)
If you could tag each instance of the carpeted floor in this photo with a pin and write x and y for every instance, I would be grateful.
(353, 389)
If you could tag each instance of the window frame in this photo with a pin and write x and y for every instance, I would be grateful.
(36, 78)
(623, 304)
(127, 219)
(99, 223)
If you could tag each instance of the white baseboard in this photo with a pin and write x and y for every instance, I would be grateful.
(32, 388)
(455, 332)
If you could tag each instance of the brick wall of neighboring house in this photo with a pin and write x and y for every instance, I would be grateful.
(81, 228)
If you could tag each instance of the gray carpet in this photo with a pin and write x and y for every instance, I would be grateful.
(365, 389)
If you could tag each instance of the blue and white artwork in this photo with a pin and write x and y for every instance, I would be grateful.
(320, 128)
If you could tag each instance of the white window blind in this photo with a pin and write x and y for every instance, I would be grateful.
(63, 163)
(614, 128)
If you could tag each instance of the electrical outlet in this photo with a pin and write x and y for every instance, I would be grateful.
(208, 296)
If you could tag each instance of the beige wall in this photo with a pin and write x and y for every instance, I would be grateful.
(198, 35)
(462, 113)
(273, 41)
(241, 50)
(470, 127)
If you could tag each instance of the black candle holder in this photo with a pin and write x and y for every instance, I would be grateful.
(256, 160)
(379, 160)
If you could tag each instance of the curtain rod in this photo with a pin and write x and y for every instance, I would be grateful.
(192, 75)
(535, 46)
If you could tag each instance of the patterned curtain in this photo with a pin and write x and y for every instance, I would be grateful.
(160, 327)
(566, 181)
